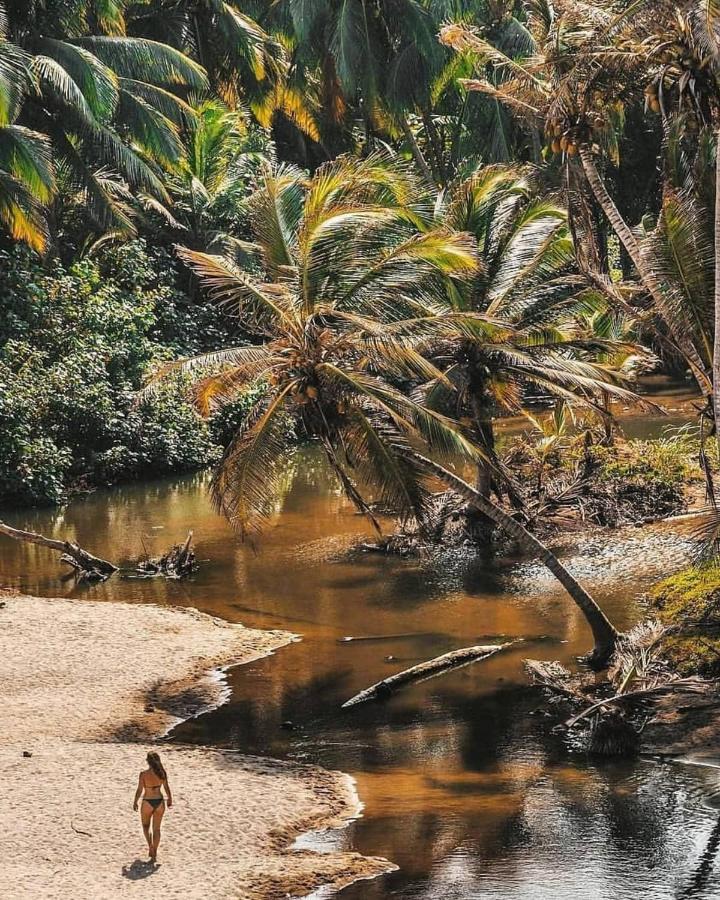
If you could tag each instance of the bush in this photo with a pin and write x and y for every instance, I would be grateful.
(75, 345)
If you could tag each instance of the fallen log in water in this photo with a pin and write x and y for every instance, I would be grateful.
(87, 566)
(430, 669)
(178, 562)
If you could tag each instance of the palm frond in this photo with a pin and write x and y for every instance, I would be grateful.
(145, 60)
(21, 214)
(174, 108)
(439, 433)
(151, 130)
(224, 284)
(27, 156)
(382, 460)
(14, 80)
(95, 80)
(244, 486)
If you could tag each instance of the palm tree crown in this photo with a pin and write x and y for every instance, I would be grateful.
(336, 257)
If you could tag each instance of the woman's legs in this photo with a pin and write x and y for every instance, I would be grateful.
(156, 820)
(146, 813)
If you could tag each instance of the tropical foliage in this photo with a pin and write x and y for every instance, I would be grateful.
(339, 256)
(395, 189)
(74, 346)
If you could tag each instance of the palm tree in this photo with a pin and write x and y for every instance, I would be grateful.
(107, 102)
(591, 62)
(521, 327)
(330, 249)
(27, 181)
(341, 261)
(212, 185)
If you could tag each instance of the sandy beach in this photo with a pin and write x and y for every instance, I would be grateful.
(85, 687)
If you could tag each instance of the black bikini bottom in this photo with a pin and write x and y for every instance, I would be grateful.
(154, 801)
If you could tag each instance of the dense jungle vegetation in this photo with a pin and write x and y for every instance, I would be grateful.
(377, 225)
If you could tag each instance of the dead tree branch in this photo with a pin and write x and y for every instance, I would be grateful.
(430, 669)
(88, 566)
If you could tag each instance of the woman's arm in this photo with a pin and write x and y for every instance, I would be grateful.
(138, 792)
(169, 793)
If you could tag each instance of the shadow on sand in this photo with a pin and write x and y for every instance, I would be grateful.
(139, 868)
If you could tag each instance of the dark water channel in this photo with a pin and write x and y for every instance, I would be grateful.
(463, 786)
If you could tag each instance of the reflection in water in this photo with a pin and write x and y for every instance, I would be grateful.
(464, 787)
(705, 866)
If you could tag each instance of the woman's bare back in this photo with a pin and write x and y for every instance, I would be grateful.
(151, 784)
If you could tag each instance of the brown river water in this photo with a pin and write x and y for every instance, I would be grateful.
(465, 788)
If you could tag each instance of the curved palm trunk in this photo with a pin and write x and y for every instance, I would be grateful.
(629, 241)
(716, 336)
(417, 153)
(603, 631)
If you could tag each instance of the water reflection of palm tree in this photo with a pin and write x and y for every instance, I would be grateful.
(703, 872)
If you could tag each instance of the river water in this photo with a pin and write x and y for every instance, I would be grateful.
(464, 786)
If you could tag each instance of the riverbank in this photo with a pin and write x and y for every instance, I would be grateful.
(82, 684)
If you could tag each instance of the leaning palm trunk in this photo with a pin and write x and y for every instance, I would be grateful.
(417, 153)
(716, 338)
(629, 241)
(603, 631)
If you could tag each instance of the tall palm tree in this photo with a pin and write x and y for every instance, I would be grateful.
(540, 342)
(342, 260)
(213, 183)
(591, 62)
(331, 250)
(107, 102)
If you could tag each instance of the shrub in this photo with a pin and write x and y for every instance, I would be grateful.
(75, 344)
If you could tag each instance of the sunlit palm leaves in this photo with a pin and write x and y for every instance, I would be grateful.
(245, 64)
(107, 104)
(211, 187)
(27, 181)
(520, 328)
(327, 246)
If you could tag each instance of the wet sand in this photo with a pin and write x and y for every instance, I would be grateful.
(85, 687)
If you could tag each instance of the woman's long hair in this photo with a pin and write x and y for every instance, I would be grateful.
(153, 760)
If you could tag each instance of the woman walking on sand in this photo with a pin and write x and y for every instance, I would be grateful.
(151, 781)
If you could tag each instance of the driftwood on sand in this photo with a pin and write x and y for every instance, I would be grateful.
(430, 669)
(89, 567)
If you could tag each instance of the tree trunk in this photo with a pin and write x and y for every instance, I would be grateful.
(85, 562)
(456, 659)
(416, 151)
(622, 229)
(480, 525)
(603, 631)
(716, 335)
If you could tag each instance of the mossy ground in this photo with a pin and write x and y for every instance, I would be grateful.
(690, 598)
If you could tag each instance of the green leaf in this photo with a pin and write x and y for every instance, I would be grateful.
(97, 83)
(145, 60)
